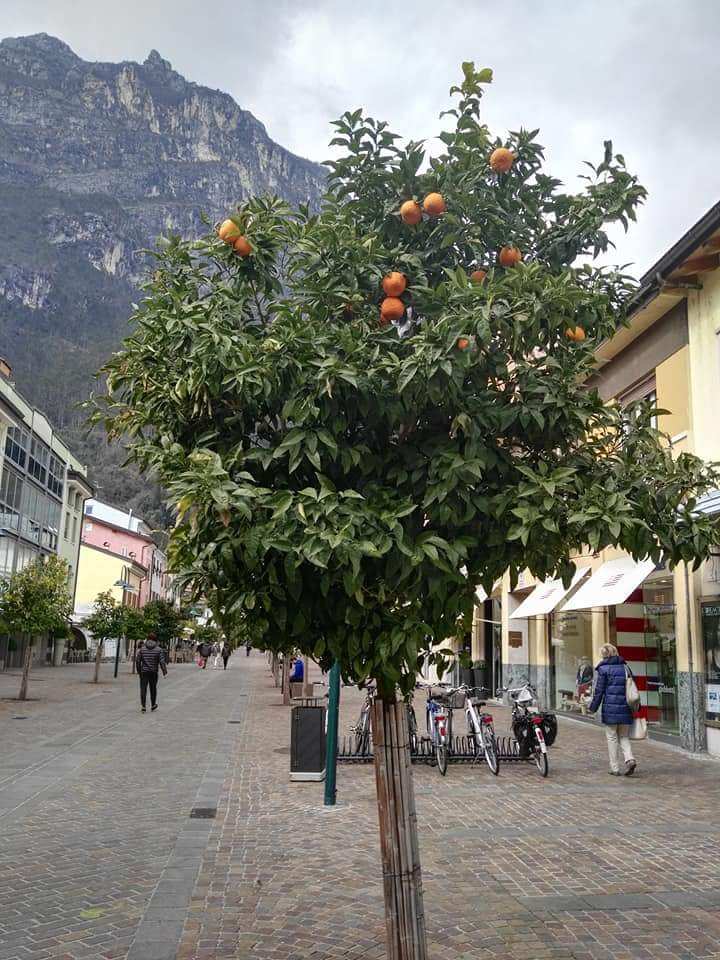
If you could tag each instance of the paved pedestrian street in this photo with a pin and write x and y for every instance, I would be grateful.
(101, 857)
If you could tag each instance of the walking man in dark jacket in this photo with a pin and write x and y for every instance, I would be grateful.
(149, 659)
(610, 691)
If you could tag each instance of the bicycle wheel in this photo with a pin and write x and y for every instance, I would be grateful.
(362, 734)
(412, 730)
(541, 761)
(491, 753)
(441, 755)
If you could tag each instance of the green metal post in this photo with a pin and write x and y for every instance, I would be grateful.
(117, 656)
(332, 735)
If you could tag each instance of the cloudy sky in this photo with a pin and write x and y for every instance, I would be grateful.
(644, 73)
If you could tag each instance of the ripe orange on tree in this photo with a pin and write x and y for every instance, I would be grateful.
(502, 159)
(576, 333)
(392, 308)
(477, 276)
(394, 283)
(463, 343)
(434, 204)
(228, 231)
(242, 247)
(509, 256)
(410, 212)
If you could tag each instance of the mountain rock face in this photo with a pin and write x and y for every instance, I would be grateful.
(96, 161)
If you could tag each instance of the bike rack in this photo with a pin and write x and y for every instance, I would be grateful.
(460, 752)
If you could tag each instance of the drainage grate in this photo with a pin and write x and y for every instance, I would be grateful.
(234, 721)
(18, 718)
(203, 813)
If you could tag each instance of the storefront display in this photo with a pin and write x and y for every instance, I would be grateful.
(711, 646)
(661, 655)
(571, 664)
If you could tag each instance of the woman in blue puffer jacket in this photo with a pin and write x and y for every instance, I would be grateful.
(610, 677)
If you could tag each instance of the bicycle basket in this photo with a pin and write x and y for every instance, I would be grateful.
(453, 699)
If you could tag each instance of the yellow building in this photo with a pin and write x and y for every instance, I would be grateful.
(101, 570)
(665, 623)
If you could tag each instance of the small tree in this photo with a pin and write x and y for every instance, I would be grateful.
(105, 622)
(363, 413)
(134, 628)
(34, 601)
(165, 621)
(207, 634)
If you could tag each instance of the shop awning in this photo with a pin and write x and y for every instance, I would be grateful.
(546, 596)
(611, 584)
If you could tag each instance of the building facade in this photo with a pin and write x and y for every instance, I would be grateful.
(43, 489)
(118, 554)
(666, 623)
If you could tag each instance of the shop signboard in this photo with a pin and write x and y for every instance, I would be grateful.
(711, 643)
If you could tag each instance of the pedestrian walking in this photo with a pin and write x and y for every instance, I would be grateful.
(247, 648)
(148, 660)
(226, 651)
(216, 653)
(204, 651)
(610, 690)
(298, 670)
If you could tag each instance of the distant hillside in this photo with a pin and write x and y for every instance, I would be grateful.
(96, 161)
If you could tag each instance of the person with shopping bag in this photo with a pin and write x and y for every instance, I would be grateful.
(613, 685)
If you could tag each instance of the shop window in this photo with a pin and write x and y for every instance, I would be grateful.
(571, 662)
(711, 644)
(660, 663)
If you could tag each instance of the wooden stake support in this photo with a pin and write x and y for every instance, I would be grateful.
(402, 879)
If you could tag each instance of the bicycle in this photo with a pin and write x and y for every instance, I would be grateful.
(528, 725)
(363, 730)
(481, 730)
(362, 727)
(438, 716)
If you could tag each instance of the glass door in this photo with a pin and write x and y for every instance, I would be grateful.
(660, 652)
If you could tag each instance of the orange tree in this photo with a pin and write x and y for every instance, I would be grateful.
(349, 459)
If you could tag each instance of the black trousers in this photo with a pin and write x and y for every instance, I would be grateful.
(148, 680)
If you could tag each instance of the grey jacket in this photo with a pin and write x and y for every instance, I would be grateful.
(150, 657)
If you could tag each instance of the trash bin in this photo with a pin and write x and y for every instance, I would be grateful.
(307, 742)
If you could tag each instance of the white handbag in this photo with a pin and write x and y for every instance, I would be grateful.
(638, 729)
(632, 694)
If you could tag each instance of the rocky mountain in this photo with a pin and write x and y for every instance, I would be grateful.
(96, 161)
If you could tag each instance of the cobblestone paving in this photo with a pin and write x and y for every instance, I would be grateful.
(100, 859)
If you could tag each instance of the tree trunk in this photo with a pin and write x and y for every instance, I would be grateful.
(27, 660)
(274, 668)
(402, 879)
(286, 681)
(98, 655)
